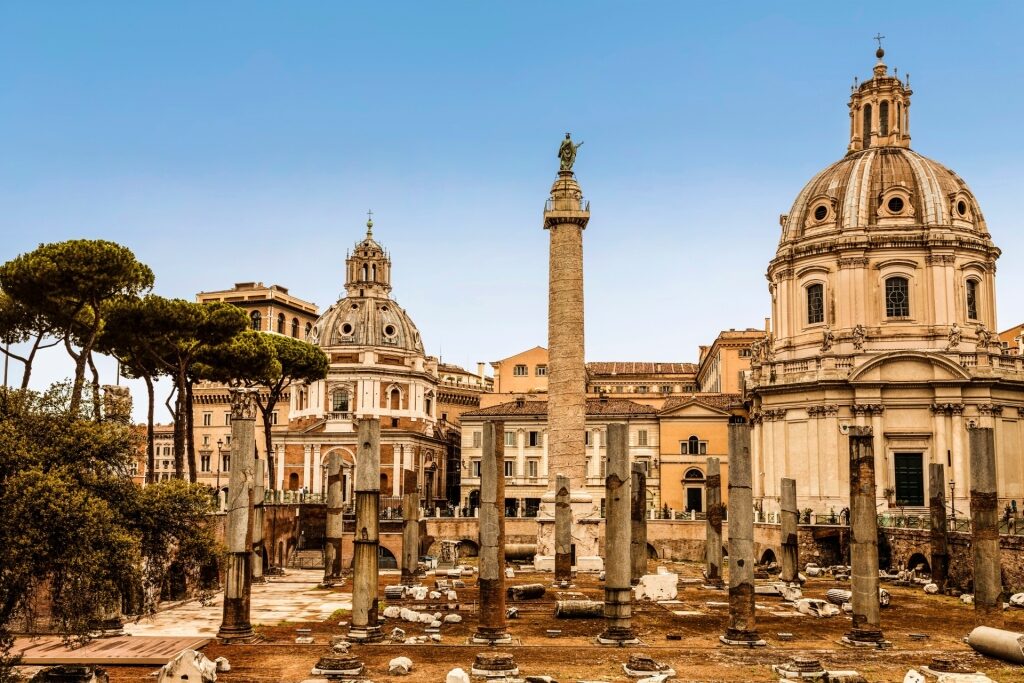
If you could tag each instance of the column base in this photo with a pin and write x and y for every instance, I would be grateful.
(229, 635)
(259, 579)
(332, 581)
(620, 637)
(491, 639)
(863, 637)
(743, 638)
(494, 665)
(365, 634)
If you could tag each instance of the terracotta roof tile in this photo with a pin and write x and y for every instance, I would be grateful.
(721, 401)
(639, 368)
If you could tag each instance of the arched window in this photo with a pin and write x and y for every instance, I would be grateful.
(897, 297)
(867, 125)
(295, 327)
(883, 118)
(365, 272)
(373, 272)
(339, 401)
(257, 320)
(693, 445)
(815, 304)
(309, 328)
(395, 398)
(280, 323)
(899, 116)
(693, 473)
(972, 299)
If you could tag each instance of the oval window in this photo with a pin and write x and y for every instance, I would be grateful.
(961, 207)
(895, 205)
(346, 329)
(820, 213)
(355, 307)
(389, 330)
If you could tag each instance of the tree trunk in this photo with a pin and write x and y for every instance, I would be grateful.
(179, 426)
(97, 413)
(190, 433)
(81, 359)
(150, 446)
(268, 413)
(38, 344)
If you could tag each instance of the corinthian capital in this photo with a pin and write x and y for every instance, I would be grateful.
(243, 403)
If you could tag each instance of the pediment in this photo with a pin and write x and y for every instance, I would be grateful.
(694, 409)
(908, 367)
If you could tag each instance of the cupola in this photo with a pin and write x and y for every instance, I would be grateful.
(880, 109)
(368, 267)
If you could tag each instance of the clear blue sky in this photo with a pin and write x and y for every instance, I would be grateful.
(237, 141)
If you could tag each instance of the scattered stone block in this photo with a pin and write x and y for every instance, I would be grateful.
(340, 645)
(452, 596)
(434, 595)
(222, 664)
(967, 598)
(397, 635)
(931, 588)
(400, 666)
(642, 666)
(456, 676)
(452, 618)
(69, 673)
(303, 636)
(494, 664)
(436, 637)
(553, 632)
(673, 636)
(655, 587)
(392, 612)
(510, 573)
(816, 608)
(418, 592)
(579, 609)
(511, 612)
(458, 583)
(335, 667)
(540, 679)
(394, 592)
(526, 591)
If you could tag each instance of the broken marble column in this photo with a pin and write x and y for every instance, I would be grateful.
(638, 524)
(988, 584)
(364, 626)
(939, 536)
(713, 524)
(258, 493)
(235, 625)
(563, 529)
(790, 545)
(410, 528)
(867, 628)
(742, 628)
(334, 526)
(618, 596)
(491, 628)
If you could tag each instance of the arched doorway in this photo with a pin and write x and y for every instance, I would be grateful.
(693, 490)
(385, 490)
(768, 557)
(293, 481)
(474, 500)
(386, 559)
(916, 561)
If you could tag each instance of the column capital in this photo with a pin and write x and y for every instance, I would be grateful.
(243, 403)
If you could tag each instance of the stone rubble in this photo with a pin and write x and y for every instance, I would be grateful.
(400, 666)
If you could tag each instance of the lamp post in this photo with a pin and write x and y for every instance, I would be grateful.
(220, 444)
(952, 501)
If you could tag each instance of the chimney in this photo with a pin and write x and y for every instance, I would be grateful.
(767, 325)
(480, 371)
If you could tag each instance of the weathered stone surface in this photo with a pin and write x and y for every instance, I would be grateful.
(189, 665)
(400, 666)
(816, 608)
(655, 587)
(457, 676)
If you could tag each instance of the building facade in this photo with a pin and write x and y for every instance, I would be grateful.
(883, 315)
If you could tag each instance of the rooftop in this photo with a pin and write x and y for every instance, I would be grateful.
(595, 406)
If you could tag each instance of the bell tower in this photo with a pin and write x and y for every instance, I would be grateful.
(880, 109)
(368, 267)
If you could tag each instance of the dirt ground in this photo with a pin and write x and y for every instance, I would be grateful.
(574, 656)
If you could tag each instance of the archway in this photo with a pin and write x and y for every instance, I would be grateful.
(293, 481)
(693, 490)
(768, 557)
(474, 500)
(468, 548)
(652, 552)
(386, 559)
(919, 560)
(385, 490)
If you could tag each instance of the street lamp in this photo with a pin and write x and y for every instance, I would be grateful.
(952, 498)
(220, 444)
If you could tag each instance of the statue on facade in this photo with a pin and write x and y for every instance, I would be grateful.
(828, 339)
(860, 333)
(954, 337)
(984, 336)
(567, 153)
(768, 347)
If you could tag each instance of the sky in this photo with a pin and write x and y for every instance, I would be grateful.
(239, 141)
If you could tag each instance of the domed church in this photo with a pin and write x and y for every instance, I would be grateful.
(378, 368)
(883, 315)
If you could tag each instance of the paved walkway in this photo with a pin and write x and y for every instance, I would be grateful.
(294, 597)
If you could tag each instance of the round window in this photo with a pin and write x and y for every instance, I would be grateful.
(346, 329)
(383, 309)
(820, 213)
(389, 330)
(961, 207)
(355, 307)
(895, 205)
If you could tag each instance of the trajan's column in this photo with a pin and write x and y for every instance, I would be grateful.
(565, 216)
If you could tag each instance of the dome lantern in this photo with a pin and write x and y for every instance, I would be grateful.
(368, 268)
(880, 109)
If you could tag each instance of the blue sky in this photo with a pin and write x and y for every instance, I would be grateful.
(239, 141)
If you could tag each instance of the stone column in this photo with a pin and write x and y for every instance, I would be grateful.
(563, 529)
(939, 538)
(866, 629)
(988, 584)
(638, 524)
(742, 628)
(618, 596)
(332, 545)
(258, 494)
(318, 471)
(235, 625)
(364, 626)
(790, 543)
(491, 626)
(410, 528)
(713, 524)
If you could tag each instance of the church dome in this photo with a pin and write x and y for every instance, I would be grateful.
(367, 316)
(883, 187)
(367, 321)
